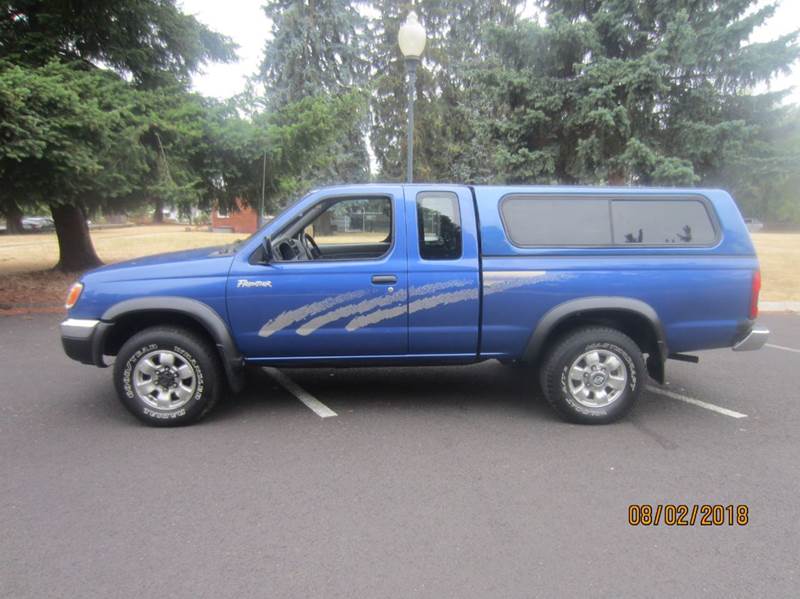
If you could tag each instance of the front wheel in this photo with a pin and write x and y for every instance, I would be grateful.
(593, 376)
(167, 376)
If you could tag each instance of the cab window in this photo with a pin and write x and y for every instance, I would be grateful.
(439, 226)
(351, 228)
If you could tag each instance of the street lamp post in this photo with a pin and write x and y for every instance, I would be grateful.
(411, 38)
(260, 220)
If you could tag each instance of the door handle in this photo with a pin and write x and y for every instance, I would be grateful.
(384, 279)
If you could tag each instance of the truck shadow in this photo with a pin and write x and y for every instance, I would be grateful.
(487, 387)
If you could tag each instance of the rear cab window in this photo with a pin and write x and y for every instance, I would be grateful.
(439, 225)
(547, 220)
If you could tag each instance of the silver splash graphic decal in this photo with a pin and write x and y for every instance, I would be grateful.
(349, 311)
(501, 280)
(380, 315)
(374, 310)
(285, 319)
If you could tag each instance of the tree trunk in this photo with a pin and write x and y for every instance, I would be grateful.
(76, 251)
(13, 219)
(158, 213)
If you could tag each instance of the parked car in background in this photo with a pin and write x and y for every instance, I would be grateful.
(753, 224)
(37, 223)
(591, 289)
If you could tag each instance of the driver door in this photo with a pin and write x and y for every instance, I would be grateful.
(344, 295)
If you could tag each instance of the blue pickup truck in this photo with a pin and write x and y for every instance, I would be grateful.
(592, 289)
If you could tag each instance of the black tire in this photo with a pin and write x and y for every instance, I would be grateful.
(557, 384)
(206, 383)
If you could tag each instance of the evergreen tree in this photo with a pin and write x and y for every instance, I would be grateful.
(520, 102)
(629, 91)
(318, 48)
(456, 33)
(674, 83)
(150, 43)
(295, 139)
(766, 177)
(388, 97)
(69, 142)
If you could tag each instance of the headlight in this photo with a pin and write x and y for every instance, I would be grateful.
(73, 294)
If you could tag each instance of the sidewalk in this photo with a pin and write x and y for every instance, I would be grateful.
(779, 306)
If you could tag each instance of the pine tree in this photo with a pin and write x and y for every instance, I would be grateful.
(317, 48)
(146, 44)
(630, 91)
(388, 103)
(676, 80)
(520, 102)
(766, 178)
(455, 40)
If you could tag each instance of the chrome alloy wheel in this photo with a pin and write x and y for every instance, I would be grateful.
(164, 380)
(597, 378)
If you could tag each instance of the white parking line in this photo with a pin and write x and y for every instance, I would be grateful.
(696, 402)
(783, 347)
(313, 404)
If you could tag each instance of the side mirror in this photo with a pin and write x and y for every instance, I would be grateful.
(266, 250)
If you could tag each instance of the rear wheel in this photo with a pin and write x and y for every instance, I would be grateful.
(168, 376)
(593, 375)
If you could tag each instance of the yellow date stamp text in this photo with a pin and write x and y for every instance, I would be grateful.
(682, 514)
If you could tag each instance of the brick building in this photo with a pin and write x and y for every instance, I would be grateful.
(242, 220)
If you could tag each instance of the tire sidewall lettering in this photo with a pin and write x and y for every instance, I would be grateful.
(163, 415)
(127, 380)
(198, 395)
(127, 373)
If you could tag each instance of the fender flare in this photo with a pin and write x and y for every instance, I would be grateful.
(556, 315)
(198, 311)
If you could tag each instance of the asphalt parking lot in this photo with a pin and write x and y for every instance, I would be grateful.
(429, 482)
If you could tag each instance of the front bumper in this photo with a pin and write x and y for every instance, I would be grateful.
(754, 339)
(82, 340)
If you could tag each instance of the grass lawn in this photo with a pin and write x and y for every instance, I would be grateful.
(26, 260)
(27, 253)
(779, 254)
